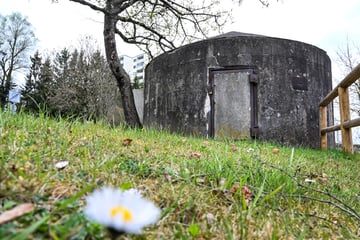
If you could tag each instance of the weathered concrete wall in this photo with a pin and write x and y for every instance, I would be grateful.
(176, 90)
(139, 102)
(293, 78)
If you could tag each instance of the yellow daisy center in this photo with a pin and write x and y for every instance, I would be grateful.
(127, 216)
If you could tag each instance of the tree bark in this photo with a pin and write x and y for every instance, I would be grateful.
(122, 78)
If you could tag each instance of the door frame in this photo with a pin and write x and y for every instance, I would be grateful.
(253, 80)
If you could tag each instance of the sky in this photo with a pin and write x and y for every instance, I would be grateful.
(323, 23)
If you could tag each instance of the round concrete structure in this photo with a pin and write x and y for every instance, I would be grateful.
(238, 86)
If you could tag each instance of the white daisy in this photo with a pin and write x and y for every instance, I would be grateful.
(124, 211)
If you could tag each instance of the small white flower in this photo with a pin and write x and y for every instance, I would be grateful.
(124, 211)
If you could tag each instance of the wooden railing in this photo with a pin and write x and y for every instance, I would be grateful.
(346, 123)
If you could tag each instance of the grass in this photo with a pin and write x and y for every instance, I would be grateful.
(199, 184)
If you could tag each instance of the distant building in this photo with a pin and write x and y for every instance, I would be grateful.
(14, 98)
(135, 66)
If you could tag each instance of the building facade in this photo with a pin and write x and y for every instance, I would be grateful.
(135, 66)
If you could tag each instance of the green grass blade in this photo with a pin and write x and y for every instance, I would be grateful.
(270, 195)
(72, 199)
(25, 234)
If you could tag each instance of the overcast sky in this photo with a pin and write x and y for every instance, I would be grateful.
(323, 23)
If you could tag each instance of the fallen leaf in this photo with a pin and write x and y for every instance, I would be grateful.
(210, 218)
(334, 220)
(275, 150)
(205, 143)
(233, 147)
(246, 192)
(16, 212)
(250, 150)
(127, 142)
(312, 175)
(235, 187)
(195, 155)
(201, 180)
(310, 180)
(61, 164)
(247, 195)
(323, 178)
(168, 177)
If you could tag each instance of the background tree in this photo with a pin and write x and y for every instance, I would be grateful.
(348, 58)
(136, 84)
(105, 96)
(82, 85)
(45, 86)
(154, 25)
(38, 85)
(16, 40)
(29, 92)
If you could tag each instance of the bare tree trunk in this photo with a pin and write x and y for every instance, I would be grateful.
(122, 78)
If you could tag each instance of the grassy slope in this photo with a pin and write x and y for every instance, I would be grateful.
(193, 180)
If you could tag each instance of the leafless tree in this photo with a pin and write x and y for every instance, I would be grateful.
(348, 58)
(16, 39)
(103, 97)
(83, 85)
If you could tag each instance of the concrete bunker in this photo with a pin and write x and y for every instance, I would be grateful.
(240, 86)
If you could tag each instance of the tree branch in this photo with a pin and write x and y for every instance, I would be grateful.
(92, 6)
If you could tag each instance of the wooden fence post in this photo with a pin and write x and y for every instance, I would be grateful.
(346, 136)
(323, 124)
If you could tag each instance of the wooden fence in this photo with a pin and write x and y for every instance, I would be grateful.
(346, 123)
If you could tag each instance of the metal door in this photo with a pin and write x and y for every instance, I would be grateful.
(233, 103)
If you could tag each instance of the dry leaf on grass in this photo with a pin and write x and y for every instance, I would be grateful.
(233, 147)
(235, 187)
(275, 150)
(127, 142)
(205, 143)
(322, 178)
(250, 150)
(247, 195)
(16, 212)
(195, 155)
(246, 191)
(308, 180)
(61, 164)
(210, 218)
